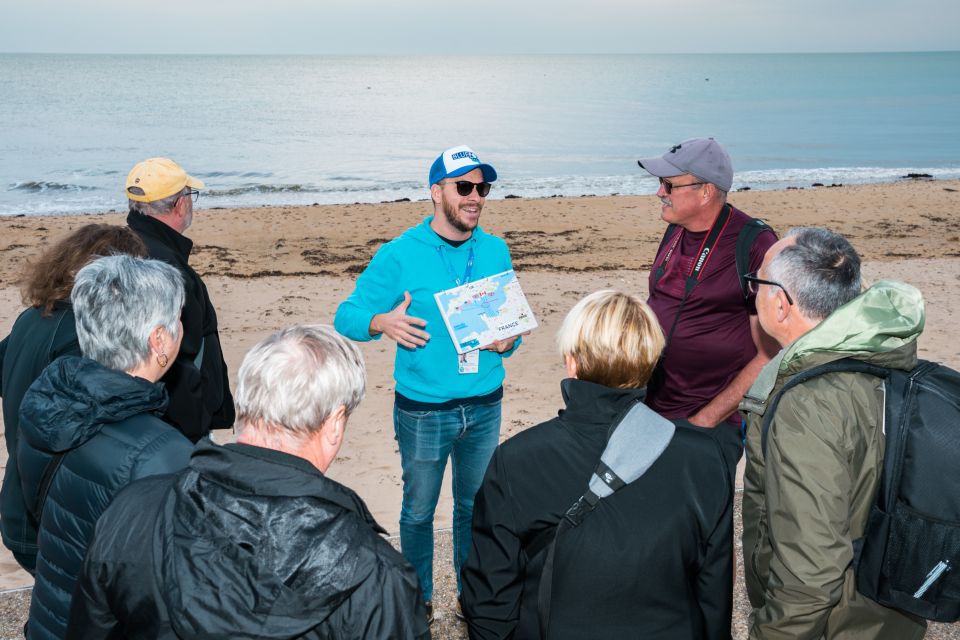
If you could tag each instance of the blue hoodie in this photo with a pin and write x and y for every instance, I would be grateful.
(411, 262)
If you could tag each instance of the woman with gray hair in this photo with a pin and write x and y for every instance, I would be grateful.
(253, 539)
(89, 425)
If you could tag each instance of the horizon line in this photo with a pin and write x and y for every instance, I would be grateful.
(480, 55)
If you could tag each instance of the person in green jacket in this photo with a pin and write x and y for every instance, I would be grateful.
(807, 497)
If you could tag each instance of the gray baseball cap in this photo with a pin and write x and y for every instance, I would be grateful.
(704, 158)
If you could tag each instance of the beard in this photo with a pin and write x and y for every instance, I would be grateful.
(452, 215)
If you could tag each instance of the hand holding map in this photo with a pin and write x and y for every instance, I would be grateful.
(480, 313)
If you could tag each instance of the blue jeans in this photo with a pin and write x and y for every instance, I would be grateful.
(468, 435)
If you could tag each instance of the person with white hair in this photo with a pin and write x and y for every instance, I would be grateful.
(89, 425)
(253, 539)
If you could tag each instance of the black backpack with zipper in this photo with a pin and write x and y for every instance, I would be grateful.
(909, 555)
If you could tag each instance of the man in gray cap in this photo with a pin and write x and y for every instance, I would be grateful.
(715, 346)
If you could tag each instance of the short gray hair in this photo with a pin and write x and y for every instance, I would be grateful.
(291, 382)
(118, 301)
(159, 207)
(821, 271)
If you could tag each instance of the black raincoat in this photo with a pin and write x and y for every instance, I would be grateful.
(246, 542)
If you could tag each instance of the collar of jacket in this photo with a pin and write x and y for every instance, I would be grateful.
(881, 325)
(592, 403)
(150, 226)
(267, 472)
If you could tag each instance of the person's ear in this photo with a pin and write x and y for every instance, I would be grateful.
(571, 365)
(157, 340)
(334, 426)
(435, 193)
(783, 305)
(708, 191)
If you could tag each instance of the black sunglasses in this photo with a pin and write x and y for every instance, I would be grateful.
(192, 193)
(753, 284)
(669, 186)
(465, 188)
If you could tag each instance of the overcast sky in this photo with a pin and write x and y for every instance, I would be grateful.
(490, 27)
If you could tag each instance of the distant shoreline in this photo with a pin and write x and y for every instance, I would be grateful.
(905, 179)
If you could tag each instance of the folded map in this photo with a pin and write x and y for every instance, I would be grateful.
(481, 312)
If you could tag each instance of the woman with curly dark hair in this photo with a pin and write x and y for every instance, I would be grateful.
(44, 332)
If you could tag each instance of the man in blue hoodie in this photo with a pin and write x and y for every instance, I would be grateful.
(446, 405)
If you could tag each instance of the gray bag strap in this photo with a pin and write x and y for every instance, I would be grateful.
(637, 439)
(198, 361)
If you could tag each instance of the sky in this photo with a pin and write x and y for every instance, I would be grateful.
(376, 27)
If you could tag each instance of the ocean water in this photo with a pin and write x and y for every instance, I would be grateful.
(304, 129)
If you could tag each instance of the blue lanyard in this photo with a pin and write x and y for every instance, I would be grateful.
(466, 273)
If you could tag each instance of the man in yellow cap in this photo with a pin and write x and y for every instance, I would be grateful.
(161, 197)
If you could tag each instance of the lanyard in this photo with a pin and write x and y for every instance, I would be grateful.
(703, 254)
(706, 248)
(466, 272)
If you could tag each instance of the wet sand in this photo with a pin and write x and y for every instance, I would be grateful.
(271, 267)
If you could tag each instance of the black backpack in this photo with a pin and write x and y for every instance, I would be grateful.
(909, 554)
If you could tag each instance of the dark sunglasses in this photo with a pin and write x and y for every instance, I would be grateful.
(465, 188)
(668, 186)
(192, 193)
(753, 284)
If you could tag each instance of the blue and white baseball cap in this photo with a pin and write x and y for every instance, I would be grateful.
(458, 161)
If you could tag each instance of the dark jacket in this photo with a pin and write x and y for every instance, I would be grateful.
(807, 497)
(654, 560)
(106, 424)
(200, 398)
(245, 543)
(33, 343)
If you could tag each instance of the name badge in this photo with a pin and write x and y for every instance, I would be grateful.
(468, 362)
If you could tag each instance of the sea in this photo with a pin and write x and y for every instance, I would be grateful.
(294, 130)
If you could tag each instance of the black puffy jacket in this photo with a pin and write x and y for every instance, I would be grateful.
(245, 543)
(106, 425)
(34, 342)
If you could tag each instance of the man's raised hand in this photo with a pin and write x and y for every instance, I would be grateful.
(398, 326)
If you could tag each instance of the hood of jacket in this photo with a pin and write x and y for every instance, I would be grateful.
(880, 326)
(259, 543)
(74, 398)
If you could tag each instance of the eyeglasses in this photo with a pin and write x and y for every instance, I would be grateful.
(191, 193)
(465, 188)
(753, 284)
(669, 186)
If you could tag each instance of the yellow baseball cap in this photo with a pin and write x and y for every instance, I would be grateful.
(158, 178)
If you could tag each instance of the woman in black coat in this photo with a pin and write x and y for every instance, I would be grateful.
(655, 558)
(90, 425)
(41, 334)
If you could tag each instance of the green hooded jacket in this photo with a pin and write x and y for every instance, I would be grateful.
(808, 498)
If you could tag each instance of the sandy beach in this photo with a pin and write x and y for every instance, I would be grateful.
(266, 268)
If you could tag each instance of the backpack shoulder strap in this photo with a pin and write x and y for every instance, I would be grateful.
(845, 364)
(667, 234)
(43, 488)
(745, 239)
